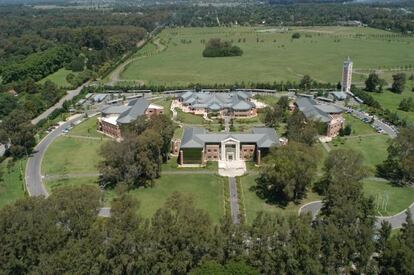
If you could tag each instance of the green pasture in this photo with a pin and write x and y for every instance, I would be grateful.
(269, 55)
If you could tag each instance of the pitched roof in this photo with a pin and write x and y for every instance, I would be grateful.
(197, 137)
(137, 108)
(312, 110)
(238, 100)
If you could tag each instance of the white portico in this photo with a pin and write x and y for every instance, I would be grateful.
(230, 149)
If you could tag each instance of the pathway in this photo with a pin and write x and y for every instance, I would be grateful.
(69, 96)
(234, 201)
(396, 220)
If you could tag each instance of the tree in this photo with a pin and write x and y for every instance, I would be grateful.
(406, 105)
(399, 83)
(306, 82)
(287, 173)
(217, 48)
(296, 35)
(230, 268)
(346, 131)
(398, 255)
(8, 103)
(301, 130)
(399, 166)
(17, 131)
(341, 165)
(346, 226)
(372, 82)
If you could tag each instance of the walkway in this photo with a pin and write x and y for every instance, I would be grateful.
(396, 220)
(234, 201)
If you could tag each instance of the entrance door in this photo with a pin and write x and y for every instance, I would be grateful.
(230, 156)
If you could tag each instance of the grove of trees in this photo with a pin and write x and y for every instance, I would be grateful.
(217, 48)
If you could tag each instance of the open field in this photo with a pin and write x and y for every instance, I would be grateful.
(358, 126)
(253, 204)
(69, 155)
(207, 191)
(59, 78)
(87, 128)
(399, 198)
(268, 55)
(12, 185)
(373, 148)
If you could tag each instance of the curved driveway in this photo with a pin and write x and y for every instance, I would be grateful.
(396, 221)
(33, 175)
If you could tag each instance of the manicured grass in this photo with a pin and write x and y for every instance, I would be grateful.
(207, 191)
(86, 128)
(358, 126)
(59, 78)
(276, 57)
(67, 155)
(172, 165)
(399, 198)
(178, 133)
(373, 148)
(189, 118)
(267, 99)
(253, 204)
(12, 187)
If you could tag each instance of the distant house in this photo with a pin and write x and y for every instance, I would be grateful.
(198, 145)
(327, 114)
(235, 104)
(113, 117)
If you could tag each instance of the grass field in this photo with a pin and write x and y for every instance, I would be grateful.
(59, 78)
(67, 155)
(358, 127)
(189, 118)
(12, 185)
(253, 204)
(399, 198)
(87, 128)
(268, 55)
(207, 191)
(373, 148)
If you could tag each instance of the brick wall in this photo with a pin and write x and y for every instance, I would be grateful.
(247, 151)
(212, 152)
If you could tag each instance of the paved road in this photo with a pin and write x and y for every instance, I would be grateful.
(69, 96)
(33, 167)
(234, 201)
(396, 221)
(377, 122)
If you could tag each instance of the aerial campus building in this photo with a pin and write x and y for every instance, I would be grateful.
(114, 117)
(347, 75)
(234, 104)
(330, 115)
(198, 146)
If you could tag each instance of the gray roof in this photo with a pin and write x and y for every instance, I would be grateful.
(312, 110)
(136, 108)
(198, 137)
(339, 95)
(115, 109)
(215, 101)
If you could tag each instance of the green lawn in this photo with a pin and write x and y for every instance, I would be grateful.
(253, 204)
(59, 78)
(189, 118)
(71, 155)
(358, 126)
(373, 148)
(399, 198)
(172, 165)
(86, 128)
(166, 103)
(319, 53)
(12, 186)
(207, 191)
(391, 101)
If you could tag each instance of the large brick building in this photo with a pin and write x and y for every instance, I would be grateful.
(199, 146)
(330, 115)
(113, 117)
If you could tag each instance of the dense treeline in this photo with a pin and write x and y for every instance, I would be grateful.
(298, 15)
(62, 234)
